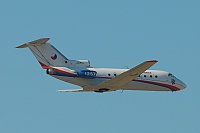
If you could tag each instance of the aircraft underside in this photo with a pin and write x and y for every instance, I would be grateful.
(134, 85)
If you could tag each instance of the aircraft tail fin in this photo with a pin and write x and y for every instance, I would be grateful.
(45, 53)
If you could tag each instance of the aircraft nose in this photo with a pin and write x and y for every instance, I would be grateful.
(182, 85)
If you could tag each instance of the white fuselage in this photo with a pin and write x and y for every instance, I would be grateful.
(79, 72)
(152, 80)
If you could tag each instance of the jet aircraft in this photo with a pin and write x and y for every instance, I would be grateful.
(91, 79)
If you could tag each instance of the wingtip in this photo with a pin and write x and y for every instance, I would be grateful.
(152, 61)
(22, 46)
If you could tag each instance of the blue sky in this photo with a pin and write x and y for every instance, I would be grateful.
(110, 33)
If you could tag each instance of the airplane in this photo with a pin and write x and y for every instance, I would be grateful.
(91, 79)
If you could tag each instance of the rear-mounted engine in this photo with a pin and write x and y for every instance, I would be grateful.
(51, 71)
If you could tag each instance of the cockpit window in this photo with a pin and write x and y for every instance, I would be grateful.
(171, 75)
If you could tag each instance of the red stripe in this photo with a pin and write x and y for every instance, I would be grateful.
(160, 84)
(44, 66)
(58, 70)
(64, 72)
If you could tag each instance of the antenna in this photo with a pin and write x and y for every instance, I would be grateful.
(127, 67)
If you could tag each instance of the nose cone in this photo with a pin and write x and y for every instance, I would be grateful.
(181, 85)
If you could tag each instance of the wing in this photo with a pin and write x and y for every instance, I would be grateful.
(124, 78)
(118, 81)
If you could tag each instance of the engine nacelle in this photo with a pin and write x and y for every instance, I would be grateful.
(85, 63)
(51, 71)
(87, 74)
(78, 63)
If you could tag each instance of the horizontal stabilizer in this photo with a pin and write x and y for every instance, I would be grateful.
(35, 42)
(73, 90)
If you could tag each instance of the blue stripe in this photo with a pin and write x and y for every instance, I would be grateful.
(141, 81)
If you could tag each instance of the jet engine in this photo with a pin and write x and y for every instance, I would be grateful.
(51, 71)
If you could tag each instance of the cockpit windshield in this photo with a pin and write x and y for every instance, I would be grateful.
(171, 75)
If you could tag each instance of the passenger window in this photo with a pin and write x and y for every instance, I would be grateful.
(156, 76)
(145, 76)
(151, 76)
(109, 74)
(115, 74)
